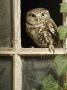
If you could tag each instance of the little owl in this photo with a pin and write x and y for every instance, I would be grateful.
(41, 28)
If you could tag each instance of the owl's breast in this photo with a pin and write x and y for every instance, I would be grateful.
(39, 35)
(34, 31)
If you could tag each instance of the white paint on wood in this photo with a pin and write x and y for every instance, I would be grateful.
(40, 51)
(17, 64)
(65, 24)
(17, 30)
(31, 51)
(17, 73)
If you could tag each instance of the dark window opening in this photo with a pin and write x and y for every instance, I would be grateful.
(54, 9)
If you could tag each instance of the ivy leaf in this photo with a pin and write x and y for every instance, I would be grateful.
(63, 7)
(62, 30)
(65, 86)
(49, 83)
(61, 64)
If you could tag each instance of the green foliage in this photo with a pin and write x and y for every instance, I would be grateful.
(61, 64)
(63, 7)
(49, 83)
(62, 30)
(65, 86)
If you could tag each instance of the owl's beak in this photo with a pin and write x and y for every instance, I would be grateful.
(38, 20)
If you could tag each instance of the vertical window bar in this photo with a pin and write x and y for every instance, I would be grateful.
(65, 45)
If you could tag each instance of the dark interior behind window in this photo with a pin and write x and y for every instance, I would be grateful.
(53, 7)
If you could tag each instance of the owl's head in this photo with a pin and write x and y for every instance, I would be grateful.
(37, 16)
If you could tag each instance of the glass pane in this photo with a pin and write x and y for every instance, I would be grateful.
(44, 73)
(5, 23)
(26, 5)
(5, 73)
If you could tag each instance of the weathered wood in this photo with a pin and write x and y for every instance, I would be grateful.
(17, 73)
(40, 51)
(16, 21)
(31, 51)
(65, 24)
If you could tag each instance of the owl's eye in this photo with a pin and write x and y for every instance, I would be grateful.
(42, 14)
(33, 15)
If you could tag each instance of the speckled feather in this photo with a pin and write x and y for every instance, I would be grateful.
(41, 28)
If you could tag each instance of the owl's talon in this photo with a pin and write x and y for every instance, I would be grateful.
(52, 49)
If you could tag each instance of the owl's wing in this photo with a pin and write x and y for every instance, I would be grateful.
(53, 30)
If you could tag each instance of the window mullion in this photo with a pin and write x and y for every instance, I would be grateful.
(17, 64)
(65, 45)
(65, 24)
(17, 72)
(40, 51)
(16, 18)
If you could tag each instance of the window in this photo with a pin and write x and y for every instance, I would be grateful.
(17, 59)
(54, 9)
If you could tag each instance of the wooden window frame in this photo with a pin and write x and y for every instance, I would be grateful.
(17, 51)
